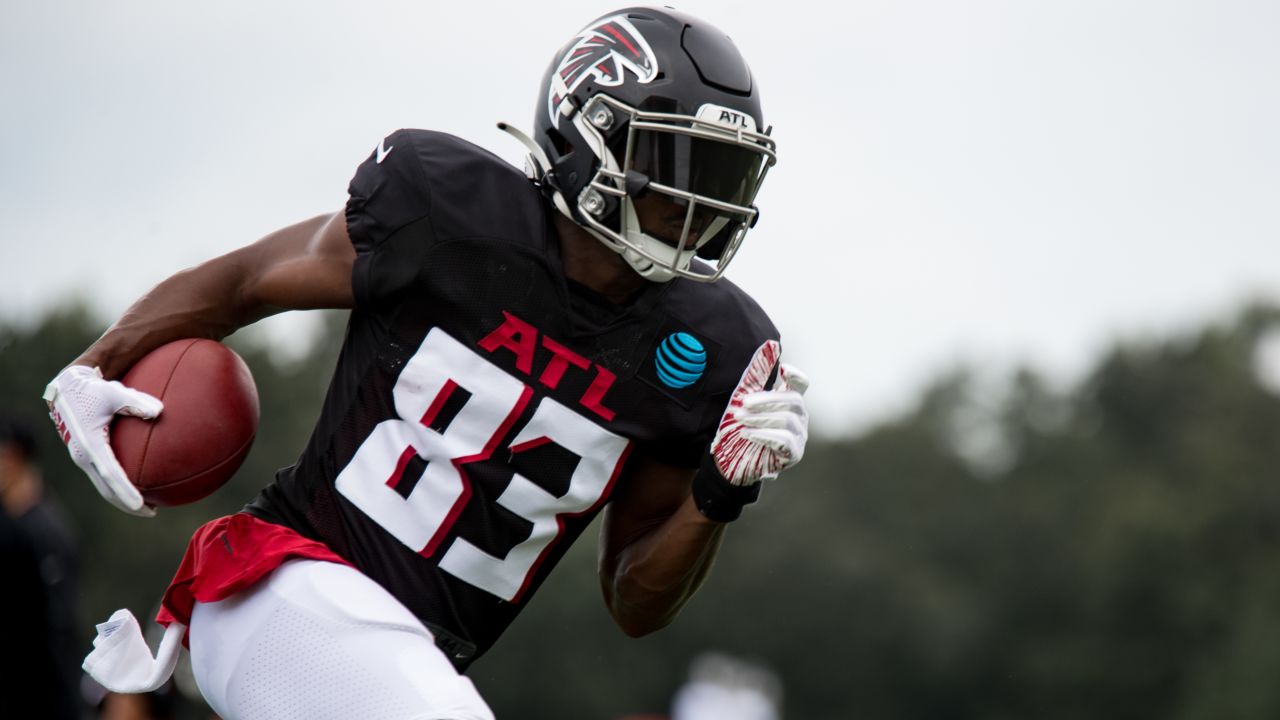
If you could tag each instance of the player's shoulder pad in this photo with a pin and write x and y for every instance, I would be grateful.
(388, 191)
(420, 189)
(728, 322)
(475, 193)
(466, 190)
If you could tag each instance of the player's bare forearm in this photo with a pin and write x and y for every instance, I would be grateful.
(199, 302)
(656, 547)
(307, 265)
(656, 574)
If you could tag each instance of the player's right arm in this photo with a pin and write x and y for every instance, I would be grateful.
(304, 266)
(300, 267)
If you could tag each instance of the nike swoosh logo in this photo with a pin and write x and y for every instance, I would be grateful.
(383, 150)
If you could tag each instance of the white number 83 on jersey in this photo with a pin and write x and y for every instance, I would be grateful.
(422, 518)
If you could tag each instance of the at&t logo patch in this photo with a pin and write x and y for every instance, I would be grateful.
(680, 360)
(679, 363)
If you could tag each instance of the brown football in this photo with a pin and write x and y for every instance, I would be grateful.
(209, 421)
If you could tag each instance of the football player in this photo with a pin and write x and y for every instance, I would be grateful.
(524, 350)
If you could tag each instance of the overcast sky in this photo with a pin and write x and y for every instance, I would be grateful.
(994, 182)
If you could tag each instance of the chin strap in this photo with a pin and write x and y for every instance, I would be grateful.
(121, 661)
(537, 157)
(539, 167)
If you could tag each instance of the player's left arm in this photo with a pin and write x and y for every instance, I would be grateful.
(655, 546)
(664, 525)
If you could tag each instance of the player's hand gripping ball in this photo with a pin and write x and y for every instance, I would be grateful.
(188, 413)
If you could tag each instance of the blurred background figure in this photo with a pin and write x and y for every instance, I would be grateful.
(41, 536)
(721, 687)
(28, 685)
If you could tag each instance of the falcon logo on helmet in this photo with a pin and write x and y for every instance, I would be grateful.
(603, 51)
(611, 129)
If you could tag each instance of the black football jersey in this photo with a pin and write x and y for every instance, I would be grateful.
(484, 406)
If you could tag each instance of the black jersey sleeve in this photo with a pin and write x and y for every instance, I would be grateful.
(389, 200)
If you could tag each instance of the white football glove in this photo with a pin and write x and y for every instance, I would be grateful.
(82, 405)
(763, 432)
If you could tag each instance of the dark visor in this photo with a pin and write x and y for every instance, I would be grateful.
(717, 170)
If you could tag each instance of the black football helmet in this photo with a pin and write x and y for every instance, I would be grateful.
(647, 100)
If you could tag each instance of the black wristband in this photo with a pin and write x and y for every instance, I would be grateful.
(716, 497)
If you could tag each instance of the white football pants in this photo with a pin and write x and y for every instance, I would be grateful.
(319, 640)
